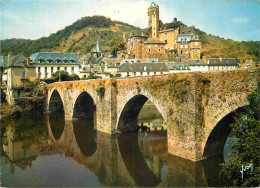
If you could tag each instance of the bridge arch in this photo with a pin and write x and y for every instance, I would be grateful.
(55, 101)
(215, 139)
(84, 107)
(127, 119)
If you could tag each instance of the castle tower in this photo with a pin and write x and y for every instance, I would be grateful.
(153, 14)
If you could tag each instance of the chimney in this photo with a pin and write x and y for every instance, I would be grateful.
(167, 63)
(28, 61)
(9, 60)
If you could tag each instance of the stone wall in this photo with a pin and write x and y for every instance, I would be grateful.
(191, 104)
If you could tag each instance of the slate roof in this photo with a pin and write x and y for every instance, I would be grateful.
(223, 61)
(54, 56)
(186, 37)
(98, 47)
(3, 61)
(92, 69)
(18, 61)
(113, 62)
(177, 66)
(197, 62)
(140, 67)
(154, 41)
(130, 60)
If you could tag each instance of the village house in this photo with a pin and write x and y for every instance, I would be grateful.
(213, 64)
(142, 69)
(19, 72)
(47, 63)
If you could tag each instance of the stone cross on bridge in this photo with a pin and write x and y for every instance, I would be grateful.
(197, 107)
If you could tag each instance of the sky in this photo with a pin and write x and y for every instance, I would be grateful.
(31, 19)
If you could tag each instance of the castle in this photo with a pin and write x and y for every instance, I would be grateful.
(159, 39)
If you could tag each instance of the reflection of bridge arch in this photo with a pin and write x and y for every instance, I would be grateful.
(134, 162)
(85, 136)
(217, 138)
(131, 107)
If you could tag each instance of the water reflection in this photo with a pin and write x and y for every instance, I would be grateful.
(85, 136)
(57, 123)
(77, 155)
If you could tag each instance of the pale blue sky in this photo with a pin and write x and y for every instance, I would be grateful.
(32, 19)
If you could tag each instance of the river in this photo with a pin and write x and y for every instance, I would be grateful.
(49, 151)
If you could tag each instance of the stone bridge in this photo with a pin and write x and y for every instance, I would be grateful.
(196, 107)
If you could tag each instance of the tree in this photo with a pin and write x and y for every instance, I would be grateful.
(247, 131)
(118, 75)
(117, 44)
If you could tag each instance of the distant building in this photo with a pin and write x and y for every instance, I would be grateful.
(178, 67)
(3, 75)
(159, 39)
(19, 71)
(213, 64)
(47, 63)
(142, 69)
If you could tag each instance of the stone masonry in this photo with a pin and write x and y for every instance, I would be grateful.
(191, 104)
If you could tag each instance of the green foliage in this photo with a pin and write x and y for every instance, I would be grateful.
(118, 75)
(92, 76)
(247, 131)
(117, 44)
(33, 89)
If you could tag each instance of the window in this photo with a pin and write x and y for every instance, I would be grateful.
(65, 68)
(149, 50)
(135, 73)
(127, 73)
(58, 68)
(51, 69)
(39, 70)
(196, 43)
(159, 49)
(149, 45)
(181, 46)
(161, 46)
(161, 73)
(165, 35)
(155, 45)
(23, 74)
(19, 93)
(154, 73)
(186, 52)
(141, 73)
(165, 41)
(72, 69)
(49, 61)
(85, 76)
(72, 61)
(148, 73)
(186, 46)
(181, 51)
(45, 69)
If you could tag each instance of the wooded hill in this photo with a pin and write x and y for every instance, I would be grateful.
(81, 36)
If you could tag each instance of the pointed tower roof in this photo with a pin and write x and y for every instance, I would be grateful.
(98, 47)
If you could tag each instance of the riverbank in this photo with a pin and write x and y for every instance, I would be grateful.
(22, 106)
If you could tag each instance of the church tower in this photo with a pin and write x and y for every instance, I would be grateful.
(153, 14)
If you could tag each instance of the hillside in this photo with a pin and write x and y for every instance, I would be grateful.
(81, 36)
(214, 46)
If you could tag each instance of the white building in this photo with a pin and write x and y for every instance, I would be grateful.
(47, 63)
(142, 69)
